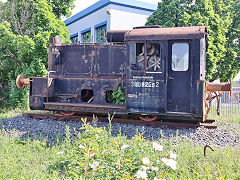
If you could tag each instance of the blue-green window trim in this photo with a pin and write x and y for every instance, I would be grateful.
(74, 38)
(100, 32)
(86, 35)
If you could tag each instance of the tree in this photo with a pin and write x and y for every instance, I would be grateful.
(29, 17)
(24, 40)
(222, 21)
(62, 8)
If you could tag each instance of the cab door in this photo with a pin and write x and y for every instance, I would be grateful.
(179, 76)
(145, 78)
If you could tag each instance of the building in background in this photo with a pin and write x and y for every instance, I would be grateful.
(91, 24)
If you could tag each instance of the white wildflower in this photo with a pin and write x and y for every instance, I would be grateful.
(173, 155)
(61, 152)
(81, 146)
(170, 162)
(157, 146)
(146, 161)
(125, 146)
(155, 168)
(94, 165)
(141, 174)
(144, 168)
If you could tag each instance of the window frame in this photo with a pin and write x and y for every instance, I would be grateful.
(161, 57)
(180, 42)
(99, 36)
(131, 56)
(73, 36)
(83, 33)
(135, 56)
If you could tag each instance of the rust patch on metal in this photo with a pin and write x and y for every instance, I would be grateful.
(67, 113)
(193, 32)
(147, 118)
(45, 90)
(211, 86)
(35, 101)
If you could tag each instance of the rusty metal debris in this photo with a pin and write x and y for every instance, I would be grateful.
(205, 148)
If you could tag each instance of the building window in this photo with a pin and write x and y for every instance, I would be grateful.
(101, 31)
(86, 35)
(74, 38)
(180, 56)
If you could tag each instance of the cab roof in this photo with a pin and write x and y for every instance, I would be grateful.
(170, 33)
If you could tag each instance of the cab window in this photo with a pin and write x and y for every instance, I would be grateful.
(180, 56)
(137, 56)
(153, 60)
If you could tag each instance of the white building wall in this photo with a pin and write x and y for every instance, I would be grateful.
(116, 14)
(125, 18)
(89, 22)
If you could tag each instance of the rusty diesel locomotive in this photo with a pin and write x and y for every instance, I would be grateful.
(162, 71)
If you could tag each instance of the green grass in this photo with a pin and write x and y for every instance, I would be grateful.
(22, 158)
(227, 114)
(7, 114)
(18, 112)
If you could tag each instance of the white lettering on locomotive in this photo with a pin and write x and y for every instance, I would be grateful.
(146, 84)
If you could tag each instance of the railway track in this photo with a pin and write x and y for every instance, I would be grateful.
(124, 119)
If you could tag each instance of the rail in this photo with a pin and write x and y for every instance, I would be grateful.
(122, 119)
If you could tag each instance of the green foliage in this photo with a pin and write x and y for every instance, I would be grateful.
(21, 55)
(222, 21)
(24, 40)
(116, 96)
(62, 8)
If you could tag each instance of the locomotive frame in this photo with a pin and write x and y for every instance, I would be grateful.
(162, 71)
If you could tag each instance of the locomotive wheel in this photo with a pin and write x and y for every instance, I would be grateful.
(67, 113)
(147, 117)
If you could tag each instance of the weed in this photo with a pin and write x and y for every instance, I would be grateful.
(110, 118)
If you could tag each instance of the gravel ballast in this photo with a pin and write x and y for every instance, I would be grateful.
(50, 129)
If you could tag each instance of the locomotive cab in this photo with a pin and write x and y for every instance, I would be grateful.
(166, 71)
